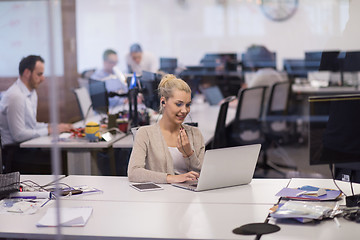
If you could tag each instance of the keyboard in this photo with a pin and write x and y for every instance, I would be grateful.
(9, 183)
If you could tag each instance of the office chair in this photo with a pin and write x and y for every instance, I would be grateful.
(220, 138)
(276, 113)
(276, 123)
(7, 157)
(84, 101)
(246, 128)
(2, 167)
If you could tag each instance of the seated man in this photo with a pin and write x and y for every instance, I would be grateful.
(139, 61)
(18, 110)
(112, 77)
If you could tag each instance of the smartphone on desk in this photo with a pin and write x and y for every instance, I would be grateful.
(143, 187)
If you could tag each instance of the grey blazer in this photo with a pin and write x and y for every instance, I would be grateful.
(150, 159)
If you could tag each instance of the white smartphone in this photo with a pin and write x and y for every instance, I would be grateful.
(149, 186)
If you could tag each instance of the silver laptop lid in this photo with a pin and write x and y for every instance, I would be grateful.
(226, 167)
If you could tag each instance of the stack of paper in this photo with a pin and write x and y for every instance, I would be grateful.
(69, 217)
(303, 211)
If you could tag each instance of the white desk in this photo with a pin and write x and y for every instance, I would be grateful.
(122, 212)
(259, 191)
(79, 153)
(124, 220)
(325, 230)
(308, 89)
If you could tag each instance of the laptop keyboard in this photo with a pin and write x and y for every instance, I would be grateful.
(9, 183)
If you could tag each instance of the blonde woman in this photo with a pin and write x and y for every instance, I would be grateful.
(168, 151)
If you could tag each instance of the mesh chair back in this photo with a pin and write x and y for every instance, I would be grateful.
(1, 156)
(84, 101)
(246, 128)
(279, 97)
(276, 114)
(250, 104)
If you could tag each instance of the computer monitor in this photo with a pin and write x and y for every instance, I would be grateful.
(168, 65)
(351, 62)
(99, 96)
(149, 82)
(330, 61)
(313, 55)
(228, 59)
(334, 135)
(256, 60)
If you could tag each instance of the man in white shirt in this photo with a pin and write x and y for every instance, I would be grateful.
(138, 61)
(18, 106)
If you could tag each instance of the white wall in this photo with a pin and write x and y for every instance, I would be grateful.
(187, 29)
(24, 30)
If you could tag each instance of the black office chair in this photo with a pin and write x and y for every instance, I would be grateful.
(246, 128)
(220, 137)
(2, 167)
(276, 117)
(7, 158)
(277, 124)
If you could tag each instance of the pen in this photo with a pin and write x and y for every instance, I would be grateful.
(45, 202)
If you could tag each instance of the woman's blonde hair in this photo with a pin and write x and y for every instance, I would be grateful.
(168, 83)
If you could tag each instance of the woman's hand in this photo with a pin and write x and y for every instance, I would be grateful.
(183, 144)
(189, 176)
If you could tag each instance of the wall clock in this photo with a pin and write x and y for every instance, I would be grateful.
(279, 10)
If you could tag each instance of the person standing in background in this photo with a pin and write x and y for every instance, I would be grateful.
(138, 61)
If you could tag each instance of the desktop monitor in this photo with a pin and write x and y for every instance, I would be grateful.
(313, 55)
(168, 64)
(330, 61)
(228, 59)
(334, 136)
(351, 62)
(256, 60)
(149, 82)
(99, 96)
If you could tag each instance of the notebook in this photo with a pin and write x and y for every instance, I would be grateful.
(225, 167)
(212, 95)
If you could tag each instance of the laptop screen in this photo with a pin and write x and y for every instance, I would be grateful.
(213, 95)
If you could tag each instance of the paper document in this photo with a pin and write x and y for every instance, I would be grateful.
(70, 217)
(21, 206)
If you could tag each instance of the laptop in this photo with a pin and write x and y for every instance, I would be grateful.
(212, 95)
(225, 167)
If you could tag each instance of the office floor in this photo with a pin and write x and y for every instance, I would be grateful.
(292, 155)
